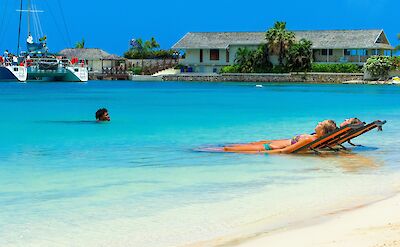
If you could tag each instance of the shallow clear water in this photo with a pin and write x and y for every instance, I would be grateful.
(136, 181)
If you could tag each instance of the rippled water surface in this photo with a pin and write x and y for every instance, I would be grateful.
(136, 181)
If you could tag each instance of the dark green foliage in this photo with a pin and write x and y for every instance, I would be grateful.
(137, 70)
(80, 45)
(299, 56)
(279, 40)
(261, 59)
(245, 60)
(148, 50)
(252, 61)
(336, 68)
(132, 54)
(279, 69)
(231, 69)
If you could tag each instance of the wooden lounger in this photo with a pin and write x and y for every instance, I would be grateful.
(357, 132)
(333, 137)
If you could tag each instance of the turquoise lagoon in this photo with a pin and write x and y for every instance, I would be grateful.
(136, 181)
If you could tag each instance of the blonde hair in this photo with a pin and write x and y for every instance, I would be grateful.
(329, 126)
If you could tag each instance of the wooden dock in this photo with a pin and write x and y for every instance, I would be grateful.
(111, 74)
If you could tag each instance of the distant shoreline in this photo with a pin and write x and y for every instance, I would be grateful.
(287, 77)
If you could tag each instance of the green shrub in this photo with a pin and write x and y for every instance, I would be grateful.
(396, 63)
(379, 66)
(279, 69)
(299, 56)
(231, 69)
(147, 54)
(336, 68)
(137, 70)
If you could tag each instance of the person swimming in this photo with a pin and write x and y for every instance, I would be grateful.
(102, 115)
(285, 145)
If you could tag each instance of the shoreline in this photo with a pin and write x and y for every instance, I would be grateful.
(286, 77)
(304, 78)
(374, 224)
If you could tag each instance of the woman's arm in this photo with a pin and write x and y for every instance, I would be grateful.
(291, 148)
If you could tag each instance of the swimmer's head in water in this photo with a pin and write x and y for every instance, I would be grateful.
(102, 115)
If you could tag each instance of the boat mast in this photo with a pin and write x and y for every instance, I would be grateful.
(19, 27)
(29, 17)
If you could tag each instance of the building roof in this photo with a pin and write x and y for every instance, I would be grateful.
(89, 54)
(327, 39)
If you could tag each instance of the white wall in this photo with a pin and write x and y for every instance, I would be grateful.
(208, 66)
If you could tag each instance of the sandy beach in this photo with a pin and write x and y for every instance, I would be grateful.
(372, 225)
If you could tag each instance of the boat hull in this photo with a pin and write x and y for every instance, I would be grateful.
(66, 74)
(13, 73)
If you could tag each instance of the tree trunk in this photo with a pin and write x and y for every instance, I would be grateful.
(281, 53)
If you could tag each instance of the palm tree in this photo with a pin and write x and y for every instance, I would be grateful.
(245, 60)
(279, 39)
(397, 48)
(299, 56)
(241, 56)
(80, 45)
(261, 58)
(154, 44)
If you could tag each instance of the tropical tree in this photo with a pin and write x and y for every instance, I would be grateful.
(81, 44)
(242, 55)
(261, 59)
(147, 49)
(398, 46)
(279, 39)
(245, 60)
(249, 61)
(154, 44)
(299, 56)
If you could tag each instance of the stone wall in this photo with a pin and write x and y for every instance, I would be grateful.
(290, 77)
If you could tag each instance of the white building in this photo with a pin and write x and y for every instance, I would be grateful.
(208, 52)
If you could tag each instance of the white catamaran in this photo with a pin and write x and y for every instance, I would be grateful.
(39, 63)
(9, 72)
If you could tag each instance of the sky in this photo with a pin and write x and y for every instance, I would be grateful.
(110, 25)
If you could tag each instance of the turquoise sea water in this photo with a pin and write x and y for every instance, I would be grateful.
(136, 181)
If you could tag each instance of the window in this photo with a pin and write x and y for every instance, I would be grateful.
(227, 56)
(214, 55)
(324, 52)
(376, 52)
(353, 52)
(363, 52)
(201, 55)
(388, 53)
(347, 52)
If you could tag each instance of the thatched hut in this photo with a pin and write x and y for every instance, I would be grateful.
(97, 60)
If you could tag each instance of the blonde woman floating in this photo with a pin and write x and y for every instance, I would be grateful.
(285, 145)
